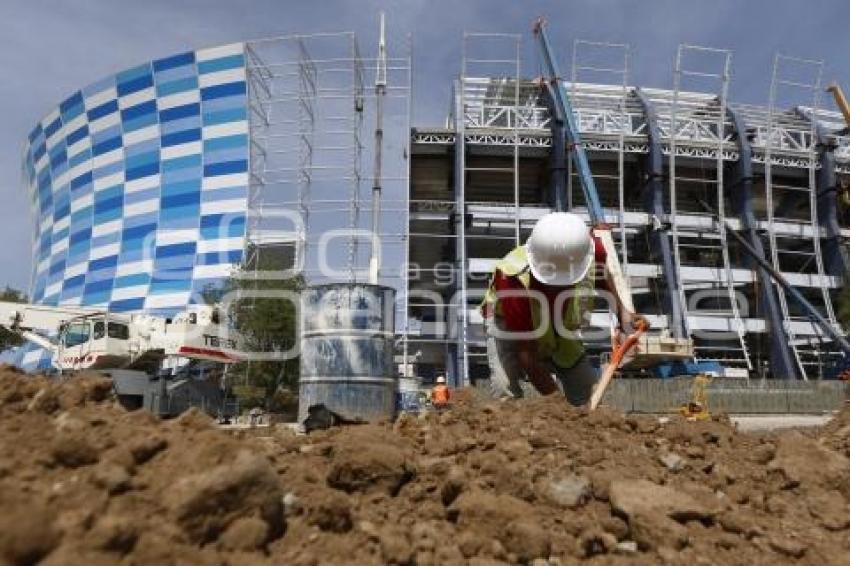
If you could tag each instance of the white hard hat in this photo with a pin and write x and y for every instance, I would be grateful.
(560, 249)
(441, 379)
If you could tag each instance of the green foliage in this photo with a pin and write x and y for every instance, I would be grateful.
(8, 338)
(268, 324)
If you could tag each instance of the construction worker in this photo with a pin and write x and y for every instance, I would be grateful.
(440, 394)
(557, 266)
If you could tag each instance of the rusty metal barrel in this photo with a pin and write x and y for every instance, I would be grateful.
(347, 334)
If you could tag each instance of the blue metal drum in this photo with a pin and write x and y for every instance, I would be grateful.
(347, 334)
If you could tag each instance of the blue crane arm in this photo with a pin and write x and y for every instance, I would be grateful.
(565, 118)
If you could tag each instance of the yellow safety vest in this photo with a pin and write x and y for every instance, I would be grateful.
(565, 352)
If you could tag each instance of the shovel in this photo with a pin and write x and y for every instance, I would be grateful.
(617, 354)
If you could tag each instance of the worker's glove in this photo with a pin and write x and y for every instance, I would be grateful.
(630, 322)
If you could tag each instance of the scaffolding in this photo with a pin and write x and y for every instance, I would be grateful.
(793, 78)
(591, 60)
(495, 152)
(311, 112)
(710, 68)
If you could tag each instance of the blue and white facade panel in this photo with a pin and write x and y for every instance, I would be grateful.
(139, 185)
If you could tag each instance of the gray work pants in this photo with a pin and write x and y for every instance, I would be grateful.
(508, 379)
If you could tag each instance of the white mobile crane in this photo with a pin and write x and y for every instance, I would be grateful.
(148, 357)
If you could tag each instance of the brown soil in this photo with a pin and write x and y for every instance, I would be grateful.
(84, 482)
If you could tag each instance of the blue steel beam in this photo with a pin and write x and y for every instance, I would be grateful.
(660, 236)
(558, 198)
(565, 119)
(835, 262)
(782, 361)
(814, 315)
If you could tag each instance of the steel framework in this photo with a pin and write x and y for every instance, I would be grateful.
(499, 127)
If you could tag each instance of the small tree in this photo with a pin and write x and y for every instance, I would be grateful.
(267, 324)
(9, 339)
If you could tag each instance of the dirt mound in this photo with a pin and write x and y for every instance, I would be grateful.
(533, 481)
(836, 434)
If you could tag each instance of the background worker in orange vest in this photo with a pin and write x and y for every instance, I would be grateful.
(556, 270)
(440, 394)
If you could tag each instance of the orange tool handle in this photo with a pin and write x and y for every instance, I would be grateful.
(617, 355)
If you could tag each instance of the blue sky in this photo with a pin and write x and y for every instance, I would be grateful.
(51, 48)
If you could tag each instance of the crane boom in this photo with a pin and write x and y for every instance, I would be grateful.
(565, 119)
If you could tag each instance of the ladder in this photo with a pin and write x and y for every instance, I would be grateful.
(812, 85)
(493, 104)
(592, 58)
(732, 354)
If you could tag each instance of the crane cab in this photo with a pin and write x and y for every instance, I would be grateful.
(94, 341)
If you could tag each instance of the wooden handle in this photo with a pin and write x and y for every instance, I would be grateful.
(616, 357)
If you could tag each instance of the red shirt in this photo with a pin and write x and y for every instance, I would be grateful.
(516, 309)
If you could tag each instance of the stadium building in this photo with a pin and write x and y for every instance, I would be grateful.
(139, 184)
(153, 184)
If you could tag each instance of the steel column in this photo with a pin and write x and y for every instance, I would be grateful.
(558, 167)
(782, 361)
(654, 203)
(835, 262)
(461, 375)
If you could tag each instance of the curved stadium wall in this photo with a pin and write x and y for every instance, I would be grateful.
(138, 185)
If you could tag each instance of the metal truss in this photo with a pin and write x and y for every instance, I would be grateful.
(600, 116)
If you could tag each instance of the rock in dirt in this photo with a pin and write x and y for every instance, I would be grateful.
(654, 512)
(369, 464)
(593, 542)
(111, 477)
(652, 531)
(627, 547)
(291, 504)
(568, 491)
(787, 547)
(114, 534)
(143, 449)
(803, 460)
(73, 450)
(27, 532)
(205, 504)
(332, 514)
(245, 535)
(453, 486)
(673, 462)
(503, 518)
(642, 497)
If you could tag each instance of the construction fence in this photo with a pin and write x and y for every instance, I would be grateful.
(729, 396)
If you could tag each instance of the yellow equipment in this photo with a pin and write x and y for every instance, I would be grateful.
(844, 107)
(840, 101)
(697, 408)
